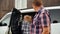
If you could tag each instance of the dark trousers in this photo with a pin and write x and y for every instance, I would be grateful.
(16, 30)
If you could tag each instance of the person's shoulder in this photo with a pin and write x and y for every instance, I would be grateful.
(45, 11)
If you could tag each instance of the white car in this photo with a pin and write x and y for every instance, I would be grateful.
(54, 12)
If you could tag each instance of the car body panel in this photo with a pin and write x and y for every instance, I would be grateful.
(3, 29)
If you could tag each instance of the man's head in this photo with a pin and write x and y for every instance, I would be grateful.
(36, 4)
(27, 18)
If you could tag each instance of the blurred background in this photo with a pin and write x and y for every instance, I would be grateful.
(7, 5)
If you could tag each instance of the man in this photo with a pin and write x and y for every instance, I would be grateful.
(41, 21)
(26, 23)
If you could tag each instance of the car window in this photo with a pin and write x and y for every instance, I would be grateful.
(6, 20)
(54, 13)
(29, 13)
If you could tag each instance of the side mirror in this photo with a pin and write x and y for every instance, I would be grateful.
(4, 24)
(0, 23)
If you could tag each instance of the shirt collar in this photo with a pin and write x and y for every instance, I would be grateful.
(40, 10)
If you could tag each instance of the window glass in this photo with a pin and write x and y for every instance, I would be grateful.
(29, 13)
(6, 20)
(54, 13)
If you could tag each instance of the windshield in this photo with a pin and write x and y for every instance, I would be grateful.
(6, 20)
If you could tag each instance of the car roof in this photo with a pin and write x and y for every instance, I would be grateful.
(31, 10)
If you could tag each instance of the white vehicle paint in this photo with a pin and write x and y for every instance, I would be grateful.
(3, 29)
(55, 29)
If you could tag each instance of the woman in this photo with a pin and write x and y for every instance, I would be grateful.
(41, 20)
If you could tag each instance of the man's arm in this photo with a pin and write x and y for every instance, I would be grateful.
(45, 20)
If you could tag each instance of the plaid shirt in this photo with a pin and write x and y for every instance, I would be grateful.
(41, 19)
(25, 27)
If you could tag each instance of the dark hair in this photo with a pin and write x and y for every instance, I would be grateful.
(37, 2)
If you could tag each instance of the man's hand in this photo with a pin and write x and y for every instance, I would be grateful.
(46, 30)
